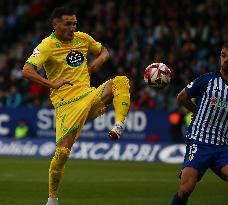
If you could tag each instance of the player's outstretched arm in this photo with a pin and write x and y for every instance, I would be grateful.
(183, 99)
(98, 61)
(30, 73)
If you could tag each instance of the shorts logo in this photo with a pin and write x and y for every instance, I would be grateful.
(75, 58)
(125, 103)
(63, 128)
(192, 151)
(35, 52)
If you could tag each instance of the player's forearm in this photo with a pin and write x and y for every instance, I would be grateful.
(104, 55)
(34, 76)
(184, 100)
(189, 105)
(98, 62)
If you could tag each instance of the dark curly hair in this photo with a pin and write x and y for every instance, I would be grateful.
(61, 11)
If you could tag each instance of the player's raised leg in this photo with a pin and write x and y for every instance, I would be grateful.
(117, 90)
(188, 182)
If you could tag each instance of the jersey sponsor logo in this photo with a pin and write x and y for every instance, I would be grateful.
(75, 58)
(223, 104)
(219, 103)
(35, 52)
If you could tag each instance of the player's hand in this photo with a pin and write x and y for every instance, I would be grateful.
(59, 83)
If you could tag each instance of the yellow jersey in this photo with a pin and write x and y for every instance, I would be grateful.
(68, 60)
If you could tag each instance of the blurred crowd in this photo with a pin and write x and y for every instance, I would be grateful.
(185, 35)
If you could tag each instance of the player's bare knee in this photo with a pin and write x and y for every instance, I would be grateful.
(224, 177)
(224, 173)
(108, 87)
(107, 95)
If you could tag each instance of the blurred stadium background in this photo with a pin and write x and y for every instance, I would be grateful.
(142, 168)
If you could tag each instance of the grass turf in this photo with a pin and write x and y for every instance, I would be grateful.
(23, 181)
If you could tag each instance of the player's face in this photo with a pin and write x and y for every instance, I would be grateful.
(65, 27)
(224, 59)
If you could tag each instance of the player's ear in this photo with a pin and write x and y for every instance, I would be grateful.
(55, 23)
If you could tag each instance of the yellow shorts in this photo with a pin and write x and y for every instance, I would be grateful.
(72, 115)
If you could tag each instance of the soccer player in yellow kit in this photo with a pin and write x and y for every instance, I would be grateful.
(63, 55)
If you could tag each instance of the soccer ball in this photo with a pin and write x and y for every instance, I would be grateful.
(157, 75)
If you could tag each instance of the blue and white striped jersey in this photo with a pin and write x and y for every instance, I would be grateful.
(210, 122)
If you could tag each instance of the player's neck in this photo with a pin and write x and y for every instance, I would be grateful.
(224, 74)
(59, 37)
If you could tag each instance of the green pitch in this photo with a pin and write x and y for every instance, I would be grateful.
(23, 181)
